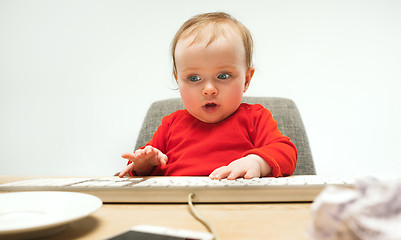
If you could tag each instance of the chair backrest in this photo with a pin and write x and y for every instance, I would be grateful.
(284, 112)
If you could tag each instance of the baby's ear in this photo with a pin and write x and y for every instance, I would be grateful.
(248, 77)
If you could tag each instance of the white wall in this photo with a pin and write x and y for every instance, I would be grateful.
(76, 78)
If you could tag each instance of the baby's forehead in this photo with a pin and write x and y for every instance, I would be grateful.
(210, 32)
(221, 48)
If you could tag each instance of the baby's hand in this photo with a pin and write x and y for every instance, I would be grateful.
(247, 167)
(143, 161)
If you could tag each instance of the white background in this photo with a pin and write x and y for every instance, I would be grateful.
(77, 77)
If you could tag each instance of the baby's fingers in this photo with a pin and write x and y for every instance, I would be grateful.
(161, 157)
(129, 168)
(129, 156)
(138, 154)
(251, 174)
(220, 173)
(236, 173)
(232, 173)
(157, 156)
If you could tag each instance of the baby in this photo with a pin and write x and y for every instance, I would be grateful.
(216, 135)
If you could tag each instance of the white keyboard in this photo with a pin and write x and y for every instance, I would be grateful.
(176, 189)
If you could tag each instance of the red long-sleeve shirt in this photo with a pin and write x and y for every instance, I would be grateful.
(195, 148)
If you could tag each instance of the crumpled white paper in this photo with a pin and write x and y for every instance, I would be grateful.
(372, 210)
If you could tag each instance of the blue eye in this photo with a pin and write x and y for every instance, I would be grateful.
(223, 76)
(194, 78)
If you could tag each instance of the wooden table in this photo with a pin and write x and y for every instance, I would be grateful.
(231, 221)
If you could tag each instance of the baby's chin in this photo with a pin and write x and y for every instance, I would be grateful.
(215, 118)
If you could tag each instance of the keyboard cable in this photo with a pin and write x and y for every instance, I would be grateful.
(196, 215)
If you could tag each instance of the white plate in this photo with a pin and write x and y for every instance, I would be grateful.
(34, 214)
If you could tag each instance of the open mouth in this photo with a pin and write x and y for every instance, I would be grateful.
(210, 107)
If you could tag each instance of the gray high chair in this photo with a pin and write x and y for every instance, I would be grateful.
(284, 112)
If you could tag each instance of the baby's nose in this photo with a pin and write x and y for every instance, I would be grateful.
(209, 89)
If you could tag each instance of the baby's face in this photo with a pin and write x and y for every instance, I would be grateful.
(211, 78)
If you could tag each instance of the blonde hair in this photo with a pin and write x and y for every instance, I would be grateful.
(219, 23)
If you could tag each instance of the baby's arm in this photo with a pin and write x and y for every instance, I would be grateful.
(143, 161)
(247, 167)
